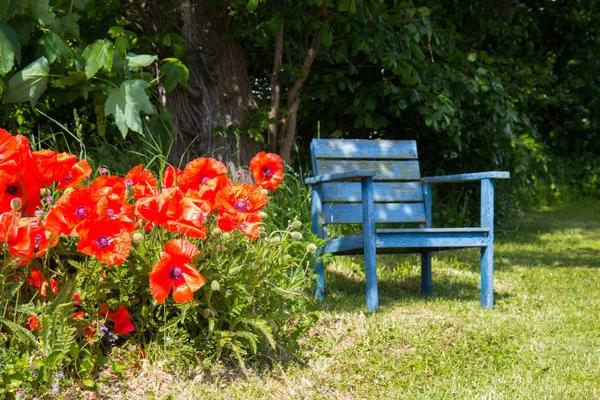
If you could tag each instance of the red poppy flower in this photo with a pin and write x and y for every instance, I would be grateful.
(53, 286)
(76, 299)
(199, 172)
(173, 271)
(122, 321)
(171, 176)
(31, 240)
(209, 191)
(78, 315)
(9, 225)
(71, 209)
(78, 172)
(176, 213)
(267, 170)
(53, 166)
(37, 280)
(248, 224)
(240, 200)
(90, 332)
(142, 181)
(113, 206)
(33, 323)
(106, 239)
(114, 183)
(8, 151)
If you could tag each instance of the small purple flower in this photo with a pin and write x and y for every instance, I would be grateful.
(128, 182)
(35, 373)
(59, 375)
(102, 171)
(104, 330)
(20, 392)
(55, 388)
(239, 174)
(49, 199)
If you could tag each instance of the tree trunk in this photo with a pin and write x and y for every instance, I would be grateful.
(218, 92)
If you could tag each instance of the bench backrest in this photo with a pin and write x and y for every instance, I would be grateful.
(398, 192)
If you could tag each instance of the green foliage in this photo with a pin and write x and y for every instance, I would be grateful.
(79, 57)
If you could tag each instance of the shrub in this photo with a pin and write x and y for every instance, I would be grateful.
(97, 276)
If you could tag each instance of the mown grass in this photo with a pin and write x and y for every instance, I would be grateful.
(542, 340)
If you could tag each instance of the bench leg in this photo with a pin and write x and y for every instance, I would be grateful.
(371, 273)
(487, 276)
(319, 281)
(426, 273)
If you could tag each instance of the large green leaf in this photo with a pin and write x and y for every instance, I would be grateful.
(125, 104)
(137, 61)
(28, 84)
(175, 72)
(98, 55)
(10, 48)
(54, 47)
(67, 25)
(40, 11)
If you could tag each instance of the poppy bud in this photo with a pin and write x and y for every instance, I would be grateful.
(274, 240)
(217, 232)
(296, 224)
(263, 215)
(296, 235)
(136, 237)
(265, 192)
(16, 204)
(311, 248)
(226, 235)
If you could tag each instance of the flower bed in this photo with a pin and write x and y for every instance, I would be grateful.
(98, 271)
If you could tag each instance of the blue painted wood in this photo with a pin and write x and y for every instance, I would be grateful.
(361, 148)
(384, 169)
(390, 190)
(476, 176)
(412, 238)
(342, 176)
(395, 192)
(428, 205)
(426, 284)
(351, 213)
(370, 252)
(487, 252)
(317, 229)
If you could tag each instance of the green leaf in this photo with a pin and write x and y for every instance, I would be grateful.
(251, 5)
(10, 48)
(52, 360)
(326, 37)
(175, 73)
(122, 44)
(88, 383)
(116, 31)
(22, 333)
(472, 57)
(40, 11)
(125, 104)
(137, 61)
(67, 25)
(98, 55)
(54, 47)
(215, 286)
(28, 84)
(344, 5)
(74, 78)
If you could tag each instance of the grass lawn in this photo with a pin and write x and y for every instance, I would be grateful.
(542, 340)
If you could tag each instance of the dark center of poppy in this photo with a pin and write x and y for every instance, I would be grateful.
(176, 272)
(82, 212)
(68, 177)
(204, 180)
(268, 172)
(102, 242)
(110, 213)
(241, 205)
(11, 189)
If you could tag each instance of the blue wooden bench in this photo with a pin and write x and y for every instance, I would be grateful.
(378, 181)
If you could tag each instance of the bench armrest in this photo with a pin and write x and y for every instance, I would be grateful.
(467, 177)
(343, 176)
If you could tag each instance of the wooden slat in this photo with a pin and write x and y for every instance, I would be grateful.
(384, 212)
(384, 169)
(475, 176)
(359, 148)
(434, 231)
(383, 191)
